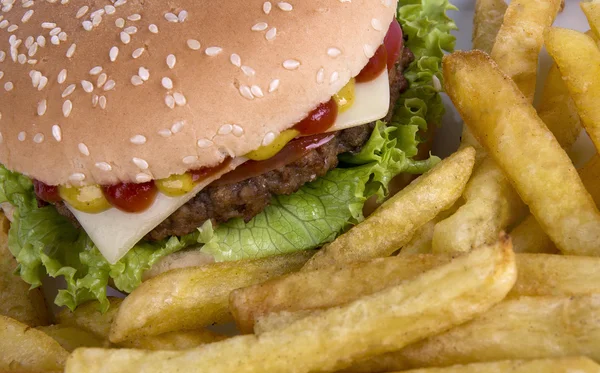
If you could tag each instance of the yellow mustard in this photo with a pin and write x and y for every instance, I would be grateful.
(345, 97)
(88, 198)
(267, 151)
(176, 185)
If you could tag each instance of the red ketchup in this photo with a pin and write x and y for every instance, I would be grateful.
(204, 172)
(130, 197)
(45, 192)
(374, 67)
(318, 120)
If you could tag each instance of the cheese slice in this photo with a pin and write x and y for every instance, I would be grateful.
(115, 232)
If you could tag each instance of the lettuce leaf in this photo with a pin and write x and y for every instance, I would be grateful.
(46, 243)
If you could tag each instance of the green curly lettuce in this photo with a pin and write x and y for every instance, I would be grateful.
(46, 243)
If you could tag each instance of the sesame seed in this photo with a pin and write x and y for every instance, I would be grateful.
(4, 24)
(170, 101)
(267, 7)
(103, 166)
(138, 140)
(171, 60)
(120, 22)
(130, 30)
(120, 2)
(1, 75)
(261, 26)
(32, 61)
(62, 76)
(55, 31)
(82, 11)
(271, 34)
(177, 126)
(235, 60)
(376, 24)
(182, 16)
(171, 17)
(102, 78)
(110, 85)
(97, 12)
(56, 132)
(268, 139)
(62, 36)
(248, 71)
(256, 91)
(87, 86)
(137, 53)
(238, 131)
(12, 28)
(83, 149)
(246, 92)
(153, 28)
(78, 176)
(334, 77)
(225, 129)
(27, 16)
(180, 99)
(43, 82)
(165, 133)
(2, 56)
(29, 42)
(41, 108)
(368, 50)
(71, 50)
(274, 85)
(22, 58)
(67, 108)
(109, 9)
(291, 64)
(22, 136)
(97, 20)
(136, 80)
(204, 143)
(87, 25)
(286, 7)
(8, 86)
(32, 50)
(386, 3)
(125, 38)
(142, 164)
(134, 17)
(113, 54)
(213, 51)
(167, 83)
(144, 73)
(143, 178)
(38, 138)
(28, 4)
(193, 44)
(96, 70)
(333, 52)
(94, 100)
(190, 159)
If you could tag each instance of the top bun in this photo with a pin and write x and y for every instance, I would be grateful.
(133, 90)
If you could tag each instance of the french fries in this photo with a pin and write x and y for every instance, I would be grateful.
(578, 59)
(524, 148)
(25, 349)
(489, 15)
(88, 317)
(561, 365)
(492, 205)
(591, 8)
(70, 337)
(179, 340)
(439, 299)
(393, 224)
(520, 40)
(191, 298)
(16, 300)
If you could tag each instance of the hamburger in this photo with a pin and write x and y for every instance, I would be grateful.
(131, 131)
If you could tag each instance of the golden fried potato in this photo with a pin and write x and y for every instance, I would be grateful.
(25, 349)
(420, 243)
(88, 317)
(388, 320)
(492, 206)
(394, 223)
(520, 40)
(179, 340)
(591, 8)
(70, 337)
(191, 298)
(489, 15)
(580, 364)
(578, 59)
(503, 121)
(16, 299)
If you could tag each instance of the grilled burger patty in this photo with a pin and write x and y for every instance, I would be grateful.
(247, 198)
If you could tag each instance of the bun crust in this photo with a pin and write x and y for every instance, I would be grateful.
(157, 88)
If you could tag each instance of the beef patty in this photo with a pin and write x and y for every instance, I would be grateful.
(247, 198)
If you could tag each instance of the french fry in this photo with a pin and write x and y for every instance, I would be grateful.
(448, 295)
(88, 317)
(503, 121)
(16, 300)
(180, 340)
(191, 298)
(492, 206)
(591, 8)
(530, 237)
(578, 59)
(421, 240)
(328, 287)
(523, 328)
(26, 349)
(489, 15)
(394, 223)
(520, 40)
(70, 337)
(580, 364)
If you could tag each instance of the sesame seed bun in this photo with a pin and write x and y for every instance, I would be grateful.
(139, 90)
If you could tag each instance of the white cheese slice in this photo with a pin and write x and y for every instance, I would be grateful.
(115, 232)
(371, 102)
